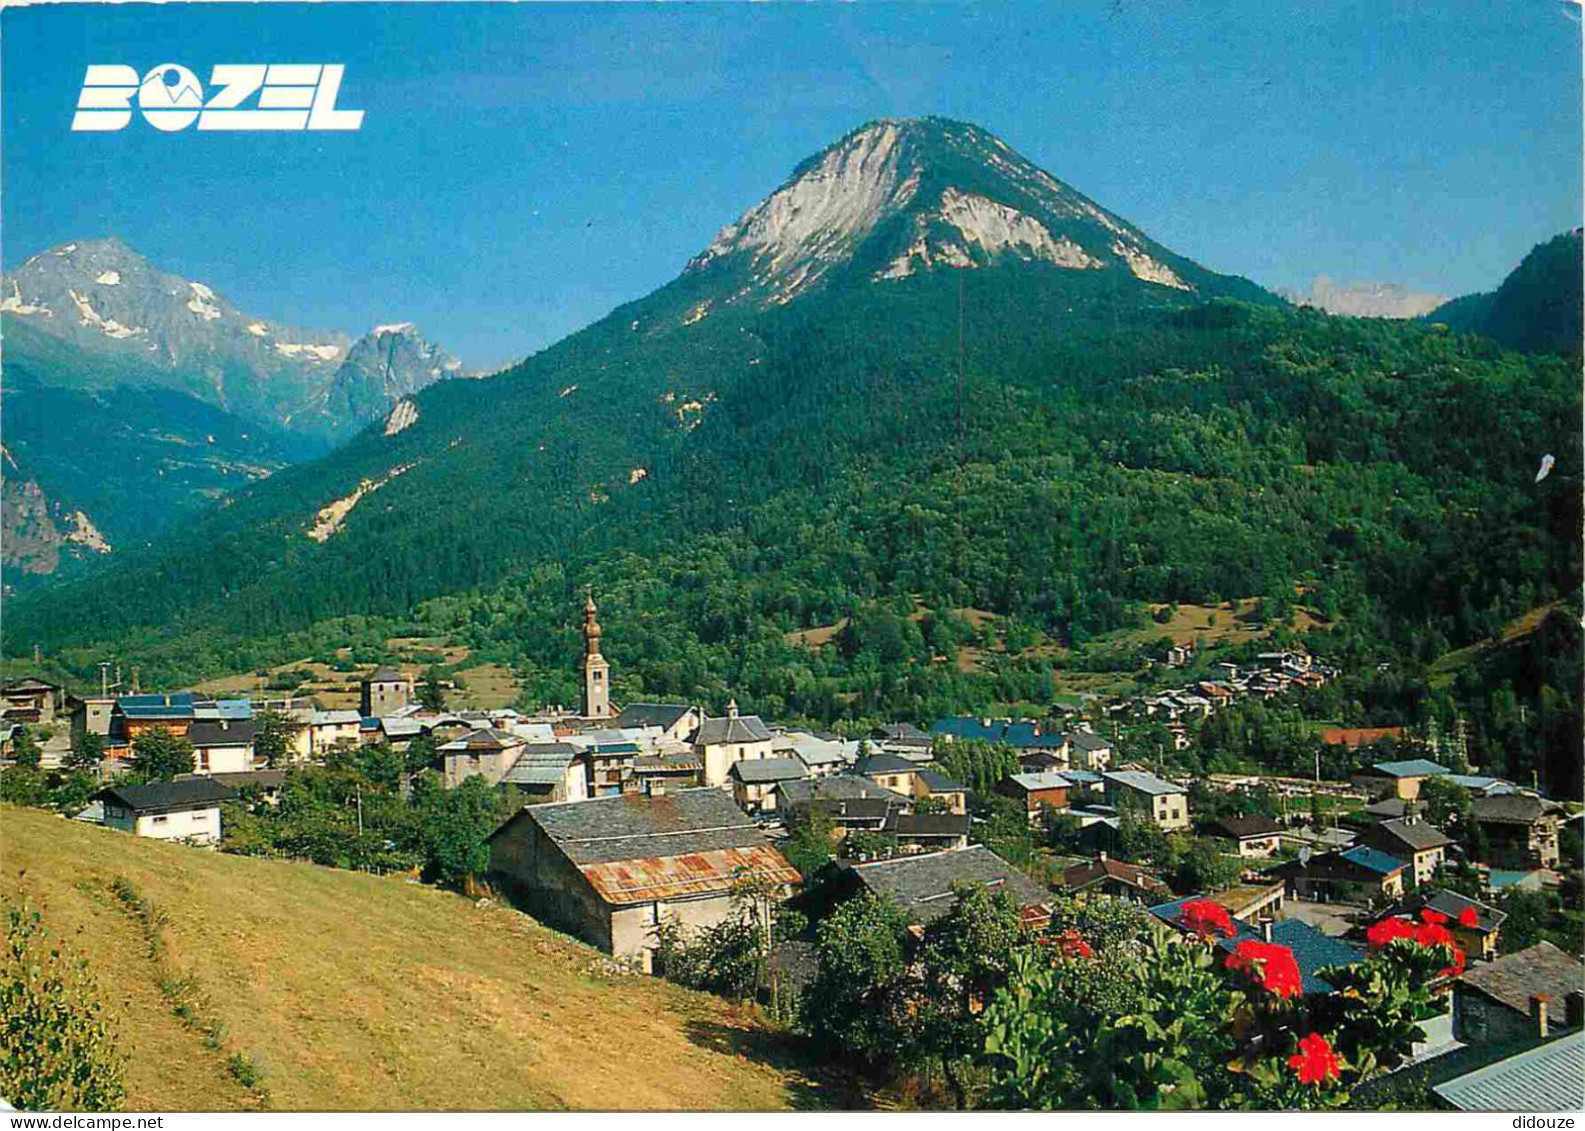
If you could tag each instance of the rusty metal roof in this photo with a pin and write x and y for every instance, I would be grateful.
(695, 873)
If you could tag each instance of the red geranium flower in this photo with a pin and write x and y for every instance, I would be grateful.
(1468, 918)
(1205, 918)
(1430, 916)
(1315, 1062)
(1272, 964)
(1388, 930)
(1070, 944)
(1432, 934)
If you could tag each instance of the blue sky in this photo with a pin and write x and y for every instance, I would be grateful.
(524, 168)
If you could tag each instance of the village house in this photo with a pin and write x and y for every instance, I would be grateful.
(926, 832)
(486, 753)
(1479, 939)
(384, 691)
(1105, 878)
(721, 743)
(851, 801)
(1312, 950)
(1416, 842)
(330, 729)
(549, 772)
(1036, 793)
(904, 740)
(822, 757)
(660, 773)
(1398, 779)
(611, 765)
(1352, 875)
(754, 782)
(1252, 837)
(911, 780)
(222, 746)
(1090, 751)
(1536, 992)
(32, 700)
(188, 809)
(922, 886)
(1522, 830)
(1162, 801)
(609, 870)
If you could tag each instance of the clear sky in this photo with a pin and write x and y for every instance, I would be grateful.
(523, 168)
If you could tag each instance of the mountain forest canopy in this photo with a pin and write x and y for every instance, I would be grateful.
(898, 444)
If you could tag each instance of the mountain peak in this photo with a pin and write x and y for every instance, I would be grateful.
(905, 195)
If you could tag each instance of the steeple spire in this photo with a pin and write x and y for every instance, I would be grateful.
(596, 672)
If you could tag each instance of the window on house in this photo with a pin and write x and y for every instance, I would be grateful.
(161, 820)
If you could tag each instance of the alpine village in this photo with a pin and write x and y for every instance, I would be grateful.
(944, 650)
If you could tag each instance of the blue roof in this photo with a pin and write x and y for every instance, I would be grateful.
(1312, 951)
(1373, 860)
(1022, 736)
(1412, 768)
(234, 708)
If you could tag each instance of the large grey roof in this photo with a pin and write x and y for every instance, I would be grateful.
(922, 885)
(661, 715)
(1550, 1077)
(1088, 742)
(1515, 978)
(1415, 834)
(385, 675)
(1512, 808)
(541, 763)
(885, 764)
(207, 732)
(636, 827)
(1142, 781)
(731, 728)
(765, 771)
(485, 738)
(837, 787)
(184, 793)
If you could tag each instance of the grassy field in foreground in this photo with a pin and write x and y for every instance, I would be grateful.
(356, 992)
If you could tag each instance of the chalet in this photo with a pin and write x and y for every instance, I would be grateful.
(1252, 837)
(1036, 793)
(1106, 878)
(853, 802)
(1090, 751)
(754, 781)
(672, 722)
(721, 743)
(1350, 876)
(610, 869)
(1422, 845)
(660, 773)
(187, 809)
(822, 757)
(926, 831)
(1475, 926)
(1533, 992)
(900, 775)
(1312, 950)
(486, 753)
(549, 772)
(384, 691)
(137, 714)
(31, 700)
(222, 746)
(1397, 779)
(922, 886)
(1165, 803)
(1522, 830)
(904, 740)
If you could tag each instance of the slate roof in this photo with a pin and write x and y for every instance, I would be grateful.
(837, 787)
(1373, 860)
(1452, 904)
(1410, 768)
(1243, 828)
(1312, 950)
(922, 885)
(212, 733)
(168, 796)
(1142, 781)
(904, 734)
(485, 738)
(637, 849)
(541, 763)
(1515, 978)
(385, 675)
(1510, 809)
(662, 715)
(885, 764)
(1416, 835)
(731, 728)
(667, 764)
(265, 779)
(939, 783)
(336, 718)
(1548, 1078)
(1387, 809)
(1095, 871)
(903, 824)
(768, 771)
(1087, 742)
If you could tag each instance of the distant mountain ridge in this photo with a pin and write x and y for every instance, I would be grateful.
(1364, 299)
(134, 396)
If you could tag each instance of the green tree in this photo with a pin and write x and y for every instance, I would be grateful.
(811, 841)
(159, 755)
(430, 693)
(25, 748)
(87, 752)
(455, 824)
(860, 1002)
(420, 754)
(59, 1052)
(272, 733)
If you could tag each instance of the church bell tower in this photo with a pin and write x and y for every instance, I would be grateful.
(596, 672)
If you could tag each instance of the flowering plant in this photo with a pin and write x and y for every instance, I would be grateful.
(1205, 918)
(1468, 918)
(1270, 964)
(1315, 1062)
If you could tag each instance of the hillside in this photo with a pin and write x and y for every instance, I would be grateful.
(356, 992)
(1538, 308)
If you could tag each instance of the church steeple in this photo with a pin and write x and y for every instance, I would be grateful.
(596, 672)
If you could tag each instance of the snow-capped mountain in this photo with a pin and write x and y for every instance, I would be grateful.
(895, 198)
(141, 325)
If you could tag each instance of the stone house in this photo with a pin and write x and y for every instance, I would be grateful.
(1532, 993)
(610, 869)
(384, 691)
(1521, 829)
(1416, 842)
(754, 782)
(909, 779)
(1252, 837)
(486, 753)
